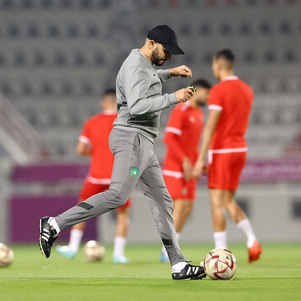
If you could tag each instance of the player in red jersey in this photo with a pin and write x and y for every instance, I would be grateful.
(93, 141)
(229, 104)
(182, 136)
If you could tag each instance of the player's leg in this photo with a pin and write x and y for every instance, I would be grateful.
(236, 162)
(236, 213)
(127, 156)
(122, 226)
(181, 211)
(174, 186)
(183, 194)
(217, 204)
(183, 204)
(217, 176)
(77, 230)
(76, 235)
(161, 206)
(243, 223)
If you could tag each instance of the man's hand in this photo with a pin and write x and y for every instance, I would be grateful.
(200, 168)
(187, 168)
(183, 94)
(183, 71)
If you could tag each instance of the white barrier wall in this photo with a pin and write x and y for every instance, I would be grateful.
(269, 206)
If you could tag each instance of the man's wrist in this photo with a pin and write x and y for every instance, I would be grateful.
(171, 72)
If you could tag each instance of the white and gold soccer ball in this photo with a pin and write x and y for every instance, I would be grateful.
(220, 264)
(6, 255)
(94, 251)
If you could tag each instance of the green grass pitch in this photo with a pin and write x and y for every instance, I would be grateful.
(277, 276)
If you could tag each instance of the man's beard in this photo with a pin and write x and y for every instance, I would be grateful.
(155, 58)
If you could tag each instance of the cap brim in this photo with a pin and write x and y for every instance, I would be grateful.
(173, 49)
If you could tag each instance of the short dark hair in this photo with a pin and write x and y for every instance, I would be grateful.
(225, 54)
(109, 91)
(203, 83)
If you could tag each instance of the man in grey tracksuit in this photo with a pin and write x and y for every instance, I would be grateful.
(139, 103)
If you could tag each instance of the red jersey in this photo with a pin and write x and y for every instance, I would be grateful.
(234, 98)
(96, 133)
(182, 136)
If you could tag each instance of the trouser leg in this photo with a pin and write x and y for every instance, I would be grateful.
(125, 148)
(161, 206)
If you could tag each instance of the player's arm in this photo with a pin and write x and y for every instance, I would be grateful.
(211, 123)
(172, 141)
(183, 71)
(83, 148)
(137, 83)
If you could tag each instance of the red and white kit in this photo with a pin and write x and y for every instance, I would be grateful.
(228, 148)
(182, 136)
(96, 133)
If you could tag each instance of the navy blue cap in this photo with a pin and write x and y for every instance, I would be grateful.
(164, 35)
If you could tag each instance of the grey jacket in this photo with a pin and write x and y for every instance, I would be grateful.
(139, 95)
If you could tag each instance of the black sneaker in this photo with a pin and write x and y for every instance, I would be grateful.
(47, 236)
(189, 272)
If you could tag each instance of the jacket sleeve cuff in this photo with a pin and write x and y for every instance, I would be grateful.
(164, 75)
(172, 98)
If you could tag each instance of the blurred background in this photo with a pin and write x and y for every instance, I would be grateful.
(58, 56)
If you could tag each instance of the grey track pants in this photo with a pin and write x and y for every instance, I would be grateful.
(134, 161)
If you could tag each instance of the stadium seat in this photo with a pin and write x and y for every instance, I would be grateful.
(285, 27)
(288, 115)
(39, 58)
(59, 59)
(19, 59)
(249, 57)
(72, 31)
(79, 59)
(290, 56)
(7, 4)
(98, 59)
(45, 88)
(66, 88)
(225, 29)
(32, 30)
(65, 4)
(26, 4)
(251, 2)
(104, 4)
(2, 59)
(26, 88)
(269, 57)
(5, 88)
(265, 28)
(186, 30)
(46, 4)
(245, 29)
(92, 31)
(53, 31)
(12, 31)
(204, 29)
(87, 88)
(207, 58)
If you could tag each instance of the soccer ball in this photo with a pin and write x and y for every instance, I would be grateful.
(94, 251)
(6, 255)
(220, 264)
